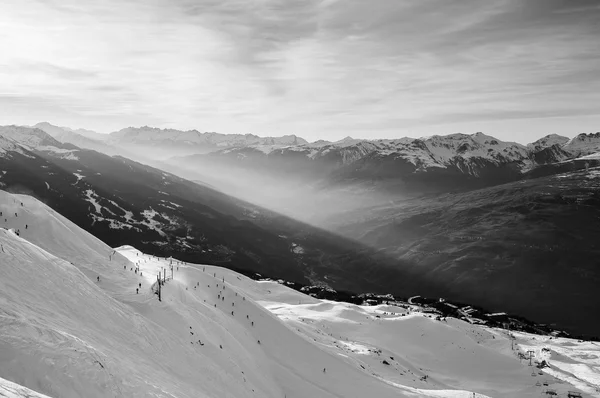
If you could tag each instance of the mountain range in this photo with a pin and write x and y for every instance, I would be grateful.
(161, 143)
(400, 166)
(458, 216)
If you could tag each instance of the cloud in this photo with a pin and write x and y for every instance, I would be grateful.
(317, 68)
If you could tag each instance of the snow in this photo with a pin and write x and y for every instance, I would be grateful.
(69, 156)
(91, 197)
(583, 144)
(173, 207)
(12, 390)
(128, 214)
(548, 141)
(593, 174)
(114, 224)
(296, 248)
(30, 137)
(7, 146)
(592, 156)
(150, 222)
(79, 177)
(573, 361)
(266, 149)
(50, 148)
(425, 153)
(63, 333)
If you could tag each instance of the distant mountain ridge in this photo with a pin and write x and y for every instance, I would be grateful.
(454, 161)
(430, 151)
(154, 135)
(434, 162)
(435, 151)
(159, 143)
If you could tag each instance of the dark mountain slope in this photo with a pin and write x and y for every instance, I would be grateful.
(530, 246)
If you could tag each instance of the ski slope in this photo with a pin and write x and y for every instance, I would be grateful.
(66, 333)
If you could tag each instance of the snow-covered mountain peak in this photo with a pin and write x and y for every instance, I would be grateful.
(347, 141)
(583, 144)
(7, 145)
(67, 134)
(28, 136)
(548, 141)
(483, 138)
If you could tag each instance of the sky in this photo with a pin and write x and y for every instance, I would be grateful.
(320, 69)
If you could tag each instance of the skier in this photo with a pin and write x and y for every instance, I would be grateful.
(137, 291)
(98, 279)
(324, 370)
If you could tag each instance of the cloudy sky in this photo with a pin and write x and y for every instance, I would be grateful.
(321, 69)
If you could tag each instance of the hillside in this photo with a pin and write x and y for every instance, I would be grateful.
(528, 247)
(215, 333)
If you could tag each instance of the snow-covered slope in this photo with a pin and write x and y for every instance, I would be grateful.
(12, 390)
(58, 132)
(65, 333)
(478, 145)
(468, 152)
(83, 139)
(29, 136)
(548, 141)
(8, 145)
(35, 139)
(583, 144)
